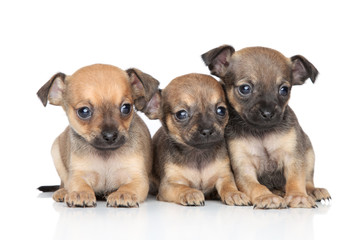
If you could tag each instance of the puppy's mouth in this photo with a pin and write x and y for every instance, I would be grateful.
(100, 144)
(204, 145)
(260, 123)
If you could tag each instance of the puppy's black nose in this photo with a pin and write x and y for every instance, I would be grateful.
(110, 136)
(206, 132)
(266, 114)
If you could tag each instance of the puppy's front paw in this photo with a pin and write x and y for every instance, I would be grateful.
(319, 194)
(236, 198)
(80, 199)
(59, 195)
(122, 199)
(269, 201)
(299, 200)
(192, 197)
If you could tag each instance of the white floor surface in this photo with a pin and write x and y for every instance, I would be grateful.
(39, 217)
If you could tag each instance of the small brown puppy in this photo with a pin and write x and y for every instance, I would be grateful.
(106, 149)
(269, 151)
(190, 155)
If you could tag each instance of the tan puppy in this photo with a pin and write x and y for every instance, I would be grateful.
(190, 155)
(106, 149)
(268, 149)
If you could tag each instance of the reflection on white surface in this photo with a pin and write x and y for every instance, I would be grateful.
(160, 220)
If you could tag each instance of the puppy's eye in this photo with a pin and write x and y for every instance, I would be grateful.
(84, 113)
(284, 91)
(221, 111)
(181, 115)
(245, 89)
(125, 109)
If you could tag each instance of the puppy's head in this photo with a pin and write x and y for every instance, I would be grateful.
(99, 100)
(258, 81)
(193, 110)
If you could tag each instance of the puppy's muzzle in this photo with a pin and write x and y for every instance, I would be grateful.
(206, 133)
(266, 114)
(205, 138)
(109, 139)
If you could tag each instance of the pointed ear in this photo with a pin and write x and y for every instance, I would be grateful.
(153, 108)
(217, 59)
(144, 88)
(302, 69)
(52, 90)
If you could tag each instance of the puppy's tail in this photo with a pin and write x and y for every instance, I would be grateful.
(52, 188)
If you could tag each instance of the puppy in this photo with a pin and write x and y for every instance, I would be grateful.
(106, 149)
(269, 151)
(190, 155)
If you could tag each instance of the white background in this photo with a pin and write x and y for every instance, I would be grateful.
(166, 39)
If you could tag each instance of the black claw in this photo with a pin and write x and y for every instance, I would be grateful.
(137, 204)
(107, 204)
(254, 206)
(94, 204)
(68, 204)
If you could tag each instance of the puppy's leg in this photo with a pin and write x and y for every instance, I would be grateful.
(295, 174)
(261, 197)
(178, 191)
(130, 194)
(80, 193)
(230, 195)
(59, 195)
(317, 194)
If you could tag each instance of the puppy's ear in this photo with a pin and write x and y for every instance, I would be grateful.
(302, 69)
(217, 59)
(153, 107)
(52, 90)
(145, 92)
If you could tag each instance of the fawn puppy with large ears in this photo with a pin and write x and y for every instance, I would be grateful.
(106, 149)
(190, 155)
(269, 151)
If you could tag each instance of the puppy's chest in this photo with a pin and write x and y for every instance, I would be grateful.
(267, 154)
(104, 175)
(203, 179)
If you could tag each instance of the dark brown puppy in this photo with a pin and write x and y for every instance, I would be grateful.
(106, 149)
(190, 155)
(268, 149)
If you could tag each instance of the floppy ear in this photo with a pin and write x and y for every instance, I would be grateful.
(217, 59)
(302, 69)
(52, 90)
(145, 92)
